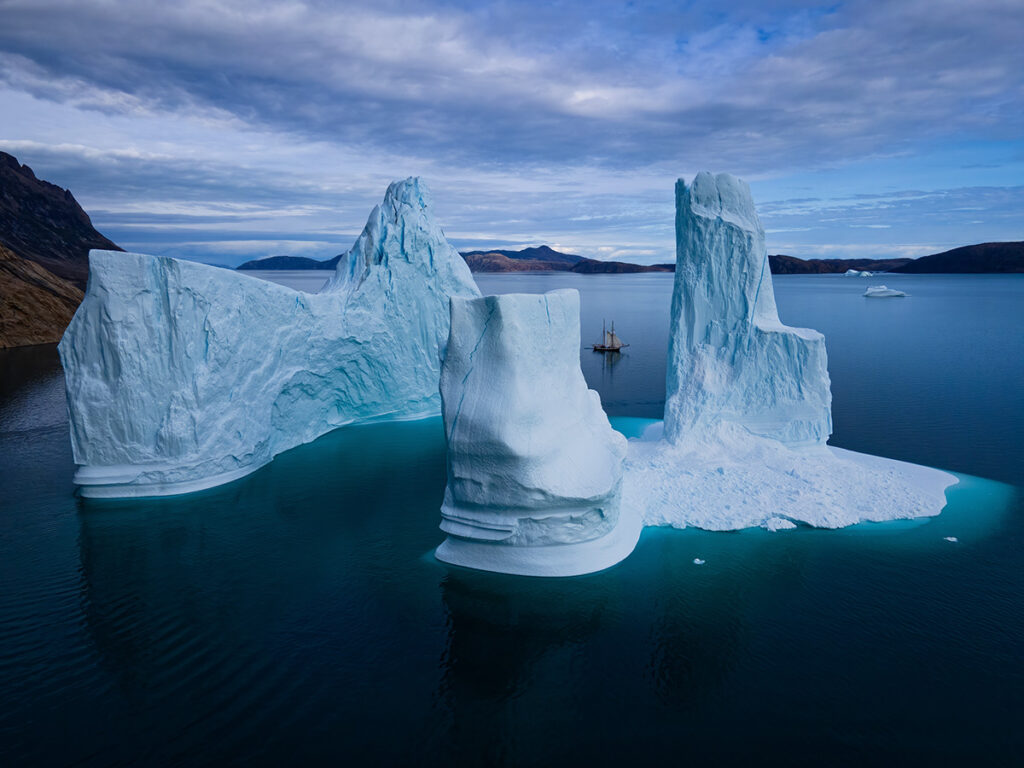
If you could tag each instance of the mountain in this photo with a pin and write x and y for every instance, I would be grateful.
(539, 259)
(987, 257)
(290, 262)
(971, 259)
(44, 223)
(791, 265)
(545, 259)
(543, 254)
(35, 305)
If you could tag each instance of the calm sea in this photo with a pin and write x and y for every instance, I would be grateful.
(296, 616)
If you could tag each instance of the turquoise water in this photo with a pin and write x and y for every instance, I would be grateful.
(297, 615)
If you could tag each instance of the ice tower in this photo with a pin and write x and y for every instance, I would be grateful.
(534, 468)
(731, 360)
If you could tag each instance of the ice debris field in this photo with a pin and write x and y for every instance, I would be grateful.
(182, 376)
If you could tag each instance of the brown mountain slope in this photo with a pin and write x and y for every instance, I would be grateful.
(545, 259)
(1003, 258)
(44, 223)
(35, 305)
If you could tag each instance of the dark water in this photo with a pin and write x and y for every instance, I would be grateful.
(296, 616)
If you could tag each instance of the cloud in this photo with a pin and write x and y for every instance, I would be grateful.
(534, 122)
(652, 86)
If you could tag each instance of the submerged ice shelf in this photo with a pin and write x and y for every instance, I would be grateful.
(182, 376)
(734, 480)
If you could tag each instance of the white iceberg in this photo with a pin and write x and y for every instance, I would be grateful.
(730, 359)
(748, 404)
(881, 292)
(857, 273)
(182, 376)
(534, 467)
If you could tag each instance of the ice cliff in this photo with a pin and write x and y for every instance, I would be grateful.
(748, 406)
(182, 376)
(534, 468)
(730, 359)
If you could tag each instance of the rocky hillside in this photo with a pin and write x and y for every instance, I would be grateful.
(545, 259)
(290, 262)
(539, 259)
(44, 223)
(983, 258)
(35, 305)
(791, 265)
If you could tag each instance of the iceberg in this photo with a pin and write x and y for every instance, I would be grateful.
(534, 467)
(857, 273)
(182, 376)
(881, 292)
(748, 406)
(730, 358)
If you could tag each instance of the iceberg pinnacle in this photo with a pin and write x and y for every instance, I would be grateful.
(534, 467)
(731, 360)
(748, 406)
(182, 376)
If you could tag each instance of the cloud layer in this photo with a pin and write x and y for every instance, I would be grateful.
(186, 126)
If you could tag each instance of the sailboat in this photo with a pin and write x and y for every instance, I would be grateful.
(611, 343)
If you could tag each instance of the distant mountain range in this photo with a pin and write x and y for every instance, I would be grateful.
(545, 259)
(1002, 258)
(791, 265)
(983, 258)
(539, 259)
(45, 238)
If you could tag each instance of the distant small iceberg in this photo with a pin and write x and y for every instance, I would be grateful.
(882, 292)
(858, 273)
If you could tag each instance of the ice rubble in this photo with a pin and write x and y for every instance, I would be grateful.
(748, 405)
(534, 467)
(182, 376)
(881, 292)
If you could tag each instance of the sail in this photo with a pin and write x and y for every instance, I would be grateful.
(608, 336)
(613, 341)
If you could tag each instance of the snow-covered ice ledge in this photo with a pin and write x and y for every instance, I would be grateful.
(182, 376)
(734, 480)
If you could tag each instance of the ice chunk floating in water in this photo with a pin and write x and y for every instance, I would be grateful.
(730, 359)
(182, 376)
(748, 406)
(534, 467)
(881, 292)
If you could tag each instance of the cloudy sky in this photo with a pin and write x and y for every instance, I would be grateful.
(227, 130)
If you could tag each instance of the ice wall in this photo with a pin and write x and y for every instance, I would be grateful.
(534, 468)
(182, 376)
(731, 360)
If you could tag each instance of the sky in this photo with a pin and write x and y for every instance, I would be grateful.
(236, 129)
